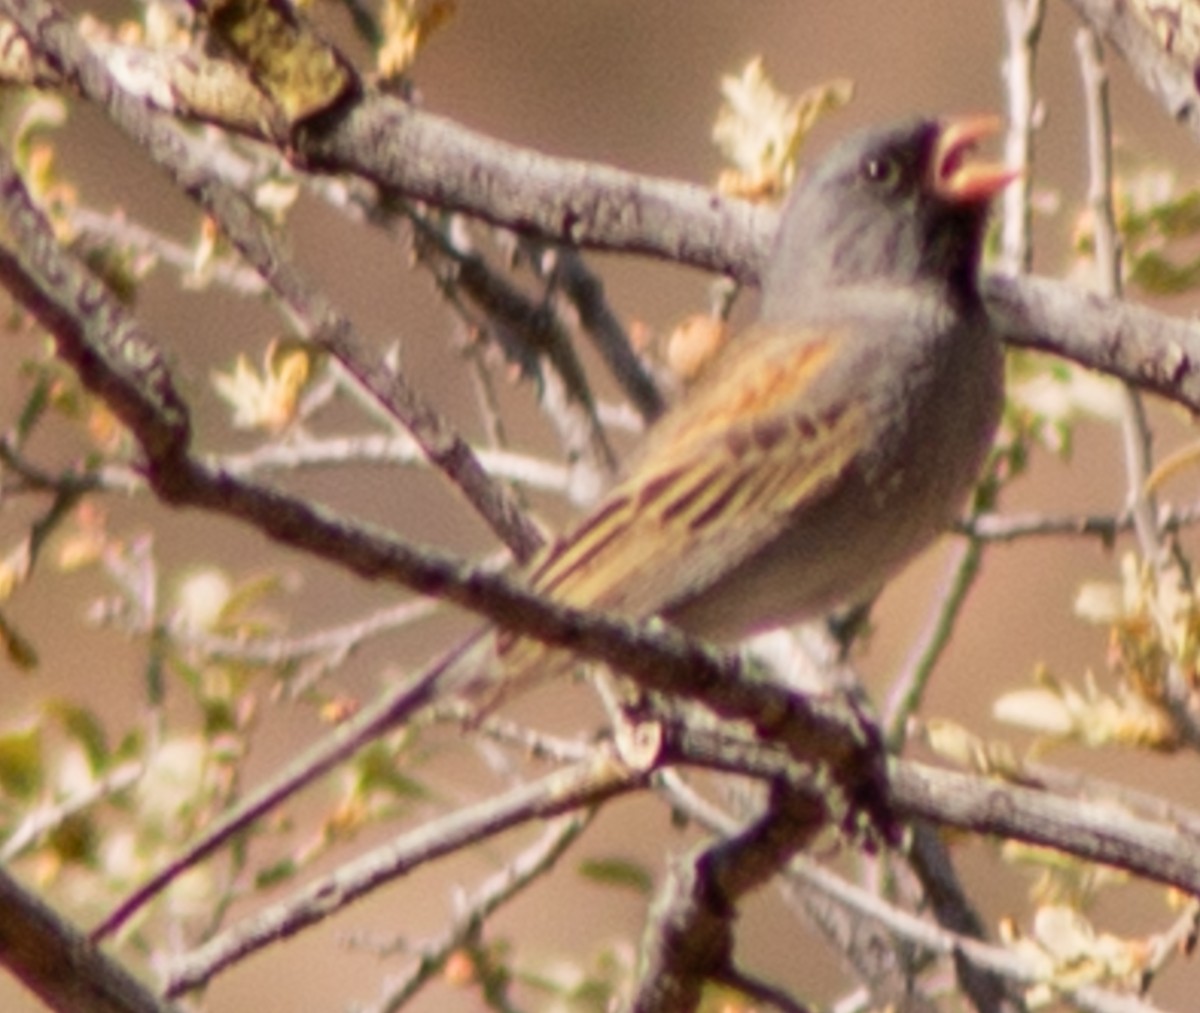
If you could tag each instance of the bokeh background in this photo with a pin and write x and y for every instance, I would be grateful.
(634, 85)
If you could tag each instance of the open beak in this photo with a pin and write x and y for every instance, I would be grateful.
(954, 178)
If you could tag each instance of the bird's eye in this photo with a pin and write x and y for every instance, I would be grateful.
(882, 170)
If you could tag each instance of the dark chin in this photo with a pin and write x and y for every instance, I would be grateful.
(954, 245)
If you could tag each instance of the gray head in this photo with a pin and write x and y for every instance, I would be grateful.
(893, 205)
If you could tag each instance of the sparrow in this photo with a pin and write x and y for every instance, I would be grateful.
(836, 437)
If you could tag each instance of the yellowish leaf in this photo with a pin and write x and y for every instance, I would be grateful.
(407, 26)
(266, 400)
(759, 130)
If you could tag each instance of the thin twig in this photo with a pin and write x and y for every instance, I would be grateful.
(1107, 239)
(312, 314)
(1179, 939)
(1023, 22)
(916, 932)
(1105, 527)
(337, 642)
(907, 689)
(1135, 428)
(585, 291)
(376, 448)
(506, 884)
(532, 333)
(106, 230)
(564, 791)
(537, 745)
(598, 207)
(1171, 82)
(43, 820)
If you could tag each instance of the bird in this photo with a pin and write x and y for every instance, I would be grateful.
(831, 441)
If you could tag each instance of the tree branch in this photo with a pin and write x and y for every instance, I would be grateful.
(429, 158)
(311, 313)
(563, 791)
(56, 962)
(1171, 81)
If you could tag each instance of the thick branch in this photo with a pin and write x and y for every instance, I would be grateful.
(429, 158)
(1161, 848)
(603, 208)
(55, 961)
(48, 283)
(312, 314)
(692, 937)
(1082, 828)
(578, 203)
(1150, 350)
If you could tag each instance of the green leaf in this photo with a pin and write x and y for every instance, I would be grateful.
(74, 840)
(17, 646)
(1179, 218)
(620, 872)
(1157, 275)
(43, 113)
(378, 769)
(280, 872)
(84, 727)
(21, 768)
(35, 405)
(220, 716)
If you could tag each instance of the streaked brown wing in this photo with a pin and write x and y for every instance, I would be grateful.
(717, 480)
(716, 484)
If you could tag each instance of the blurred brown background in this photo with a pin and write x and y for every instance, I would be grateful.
(635, 85)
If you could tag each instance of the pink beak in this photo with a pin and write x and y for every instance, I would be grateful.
(959, 181)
